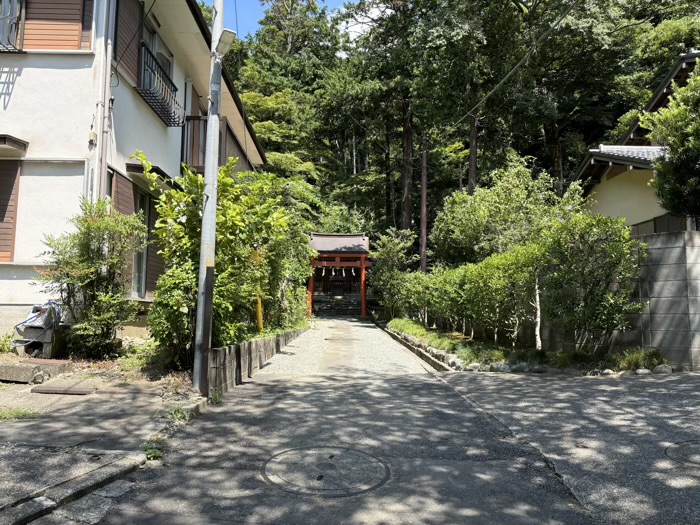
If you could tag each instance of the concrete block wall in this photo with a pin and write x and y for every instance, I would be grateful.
(669, 284)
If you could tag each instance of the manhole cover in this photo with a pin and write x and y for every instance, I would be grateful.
(331, 472)
(685, 452)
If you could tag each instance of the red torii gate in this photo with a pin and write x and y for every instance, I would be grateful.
(340, 251)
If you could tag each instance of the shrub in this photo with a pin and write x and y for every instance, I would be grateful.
(391, 259)
(261, 250)
(89, 270)
(6, 344)
(590, 273)
(640, 357)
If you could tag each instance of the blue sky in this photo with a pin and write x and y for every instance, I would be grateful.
(250, 11)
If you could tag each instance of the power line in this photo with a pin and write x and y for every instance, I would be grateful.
(517, 66)
(238, 66)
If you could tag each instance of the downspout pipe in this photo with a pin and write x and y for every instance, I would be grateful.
(107, 94)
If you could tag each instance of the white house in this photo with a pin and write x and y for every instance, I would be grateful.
(57, 81)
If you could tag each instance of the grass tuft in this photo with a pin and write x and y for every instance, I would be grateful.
(7, 414)
(453, 343)
(640, 357)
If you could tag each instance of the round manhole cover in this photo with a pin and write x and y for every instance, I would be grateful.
(331, 472)
(685, 452)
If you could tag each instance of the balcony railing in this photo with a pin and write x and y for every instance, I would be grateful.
(158, 90)
(11, 18)
(195, 141)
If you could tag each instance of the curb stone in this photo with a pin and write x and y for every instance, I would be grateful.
(52, 498)
(422, 354)
(55, 497)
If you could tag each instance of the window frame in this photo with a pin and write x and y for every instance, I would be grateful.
(142, 201)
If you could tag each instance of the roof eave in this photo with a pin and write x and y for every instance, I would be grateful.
(206, 33)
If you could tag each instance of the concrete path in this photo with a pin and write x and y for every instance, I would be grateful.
(345, 411)
(71, 440)
(629, 448)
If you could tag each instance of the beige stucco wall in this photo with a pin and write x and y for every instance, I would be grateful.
(627, 195)
(49, 195)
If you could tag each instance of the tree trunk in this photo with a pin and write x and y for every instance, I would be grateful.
(557, 157)
(461, 177)
(407, 167)
(354, 155)
(424, 208)
(538, 317)
(388, 184)
(473, 151)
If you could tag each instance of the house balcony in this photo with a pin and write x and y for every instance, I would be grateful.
(195, 139)
(158, 90)
(11, 19)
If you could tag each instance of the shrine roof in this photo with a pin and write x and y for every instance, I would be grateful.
(339, 243)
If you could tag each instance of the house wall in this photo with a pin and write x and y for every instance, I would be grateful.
(50, 100)
(627, 195)
(41, 186)
(137, 127)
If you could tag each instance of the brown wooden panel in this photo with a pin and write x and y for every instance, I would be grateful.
(9, 190)
(86, 30)
(123, 195)
(155, 265)
(53, 24)
(129, 37)
(195, 109)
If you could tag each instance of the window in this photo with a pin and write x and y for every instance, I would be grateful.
(153, 83)
(156, 45)
(10, 19)
(110, 184)
(9, 187)
(45, 24)
(140, 258)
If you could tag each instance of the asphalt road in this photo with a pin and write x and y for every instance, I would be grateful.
(629, 447)
(345, 426)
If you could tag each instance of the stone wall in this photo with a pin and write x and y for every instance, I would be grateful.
(669, 284)
(231, 365)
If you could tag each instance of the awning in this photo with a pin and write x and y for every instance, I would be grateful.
(12, 147)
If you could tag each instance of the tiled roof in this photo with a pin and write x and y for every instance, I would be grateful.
(645, 154)
(339, 243)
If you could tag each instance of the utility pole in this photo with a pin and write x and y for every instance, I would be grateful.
(221, 41)
(424, 208)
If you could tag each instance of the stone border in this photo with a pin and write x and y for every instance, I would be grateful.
(411, 344)
(49, 499)
(445, 362)
(229, 365)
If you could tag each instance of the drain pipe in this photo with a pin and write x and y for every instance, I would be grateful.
(107, 95)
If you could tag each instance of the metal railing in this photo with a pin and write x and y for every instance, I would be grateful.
(11, 20)
(158, 90)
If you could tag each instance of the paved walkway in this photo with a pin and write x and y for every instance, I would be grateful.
(332, 415)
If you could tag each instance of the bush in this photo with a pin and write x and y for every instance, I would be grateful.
(89, 270)
(6, 344)
(452, 343)
(636, 358)
(590, 273)
(262, 249)
(391, 259)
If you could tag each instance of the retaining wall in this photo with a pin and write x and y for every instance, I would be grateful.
(231, 365)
